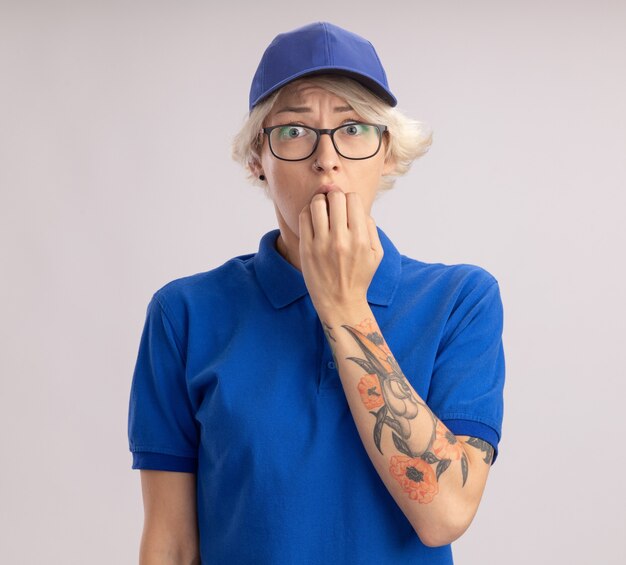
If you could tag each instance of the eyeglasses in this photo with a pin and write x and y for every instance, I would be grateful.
(356, 140)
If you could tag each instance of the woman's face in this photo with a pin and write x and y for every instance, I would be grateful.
(292, 184)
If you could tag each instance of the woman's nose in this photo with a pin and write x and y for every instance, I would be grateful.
(325, 155)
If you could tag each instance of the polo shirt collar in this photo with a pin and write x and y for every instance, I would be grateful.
(283, 283)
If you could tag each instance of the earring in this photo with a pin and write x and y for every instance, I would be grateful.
(262, 177)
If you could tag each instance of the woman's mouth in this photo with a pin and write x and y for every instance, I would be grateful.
(326, 188)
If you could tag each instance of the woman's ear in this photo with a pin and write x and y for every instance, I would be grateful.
(389, 166)
(255, 166)
(390, 162)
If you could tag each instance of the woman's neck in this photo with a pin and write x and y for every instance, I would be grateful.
(290, 253)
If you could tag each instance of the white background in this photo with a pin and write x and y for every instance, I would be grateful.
(115, 177)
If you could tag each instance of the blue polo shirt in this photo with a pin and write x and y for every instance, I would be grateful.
(235, 381)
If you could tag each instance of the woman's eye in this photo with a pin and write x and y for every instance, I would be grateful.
(355, 129)
(291, 132)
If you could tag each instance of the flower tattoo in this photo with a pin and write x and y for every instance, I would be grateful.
(388, 396)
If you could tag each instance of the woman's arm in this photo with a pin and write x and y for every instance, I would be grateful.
(436, 478)
(170, 533)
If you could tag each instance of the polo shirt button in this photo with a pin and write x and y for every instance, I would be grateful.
(331, 364)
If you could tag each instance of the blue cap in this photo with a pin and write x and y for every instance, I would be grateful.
(319, 48)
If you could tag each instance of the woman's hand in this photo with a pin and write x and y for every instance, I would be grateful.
(339, 250)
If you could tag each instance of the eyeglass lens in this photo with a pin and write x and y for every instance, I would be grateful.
(354, 141)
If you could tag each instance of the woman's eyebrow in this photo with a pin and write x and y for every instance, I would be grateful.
(304, 109)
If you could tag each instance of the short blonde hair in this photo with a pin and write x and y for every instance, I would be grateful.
(408, 139)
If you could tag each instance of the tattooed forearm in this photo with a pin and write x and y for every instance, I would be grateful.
(415, 454)
(417, 433)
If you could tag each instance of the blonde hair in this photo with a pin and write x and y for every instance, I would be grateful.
(408, 139)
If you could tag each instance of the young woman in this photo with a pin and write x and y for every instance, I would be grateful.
(326, 399)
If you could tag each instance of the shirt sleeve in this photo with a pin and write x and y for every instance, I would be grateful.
(467, 383)
(162, 431)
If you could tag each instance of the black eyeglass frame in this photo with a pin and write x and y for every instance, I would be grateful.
(331, 132)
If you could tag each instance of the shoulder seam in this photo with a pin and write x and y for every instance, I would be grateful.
(466, 322)
(167, 316)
